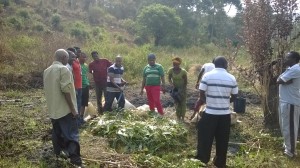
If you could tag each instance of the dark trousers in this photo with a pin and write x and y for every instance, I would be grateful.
(110, 96)
(100, 90)
(210, 127)
(65, 136)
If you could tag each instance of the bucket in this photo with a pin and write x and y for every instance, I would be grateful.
(239, 105)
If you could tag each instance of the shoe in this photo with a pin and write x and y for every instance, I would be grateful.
(288, 154)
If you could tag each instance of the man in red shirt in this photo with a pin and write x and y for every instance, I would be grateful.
(76, 70)
(99, 70)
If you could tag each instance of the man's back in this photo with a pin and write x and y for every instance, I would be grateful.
(58, 79)
(290, 93)
(218, 85)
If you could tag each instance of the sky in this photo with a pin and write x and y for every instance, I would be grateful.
(231, 10)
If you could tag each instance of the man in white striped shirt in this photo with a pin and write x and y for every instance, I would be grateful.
(218, 89)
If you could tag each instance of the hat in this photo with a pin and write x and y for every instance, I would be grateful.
(177, 60)
(151, 56)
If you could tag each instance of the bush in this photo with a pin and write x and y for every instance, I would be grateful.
(5, 3)
(94, 14)
(24, 14)
(38, 27)
(55, 21)
(16, 23)
(78, 30)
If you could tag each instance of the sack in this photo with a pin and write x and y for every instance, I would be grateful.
(175, 95)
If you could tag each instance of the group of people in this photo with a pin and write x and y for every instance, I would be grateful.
(67, 86)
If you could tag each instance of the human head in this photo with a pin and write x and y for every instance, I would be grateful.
(62, 56)
(151, 59)
(72, 49)
(176, 62)
(78, 51)
(220, 62)
(82, 57)
(118, 61)
(72, 57)
(95, 55)
(291, 58)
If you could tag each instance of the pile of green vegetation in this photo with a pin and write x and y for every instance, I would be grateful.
(153, 141)
(127, 132)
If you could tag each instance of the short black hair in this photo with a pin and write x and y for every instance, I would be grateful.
(94, 52)
(295, 55)
(72, 49)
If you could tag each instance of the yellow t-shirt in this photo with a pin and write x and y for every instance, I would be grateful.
(58, 80)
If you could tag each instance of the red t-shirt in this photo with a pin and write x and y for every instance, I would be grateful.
(99, 70)
(77, 74)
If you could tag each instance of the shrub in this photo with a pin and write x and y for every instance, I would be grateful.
(94, 14)
(5, 3)
(16, 23)
(38, 27)
(24, 14)
(55, 21)
(78, 30)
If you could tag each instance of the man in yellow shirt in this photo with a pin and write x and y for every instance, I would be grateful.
(61, 103)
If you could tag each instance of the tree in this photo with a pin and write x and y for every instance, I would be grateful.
(160, 22)
(267, 36)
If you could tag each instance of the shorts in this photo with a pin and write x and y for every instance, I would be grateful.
(85, 96)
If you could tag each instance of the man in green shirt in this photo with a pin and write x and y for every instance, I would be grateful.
(85, 83)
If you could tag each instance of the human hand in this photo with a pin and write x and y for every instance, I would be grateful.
(74, 113)
(193, 115)
(289, 82)
(197, 86)
(198, 104)
(141, 93)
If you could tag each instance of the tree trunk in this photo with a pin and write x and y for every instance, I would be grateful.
(270, 107)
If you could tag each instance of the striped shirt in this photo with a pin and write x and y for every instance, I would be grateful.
(116, 73)
(218, 85)
(153, 74)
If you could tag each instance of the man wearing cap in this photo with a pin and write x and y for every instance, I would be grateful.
(62, 107)
(153, 82)
(99, 70)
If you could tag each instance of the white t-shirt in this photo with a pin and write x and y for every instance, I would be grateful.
(218, 85)
(290, 93)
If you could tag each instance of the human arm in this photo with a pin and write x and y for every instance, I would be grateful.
(200, 101)
(170, 77)
(162, 78)
(163, 84)
(143, 85)
(199, 77)
(66, 86)
(185, 79)
(280, 81)
(70, 104)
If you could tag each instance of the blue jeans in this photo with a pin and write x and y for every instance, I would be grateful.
(110, 96)
(78, 99)
(65, 136)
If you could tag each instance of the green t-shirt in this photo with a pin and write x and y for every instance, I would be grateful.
(84, 72)
(153, 74)
(177, 78)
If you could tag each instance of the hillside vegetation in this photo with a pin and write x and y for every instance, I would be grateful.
(197, 31)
